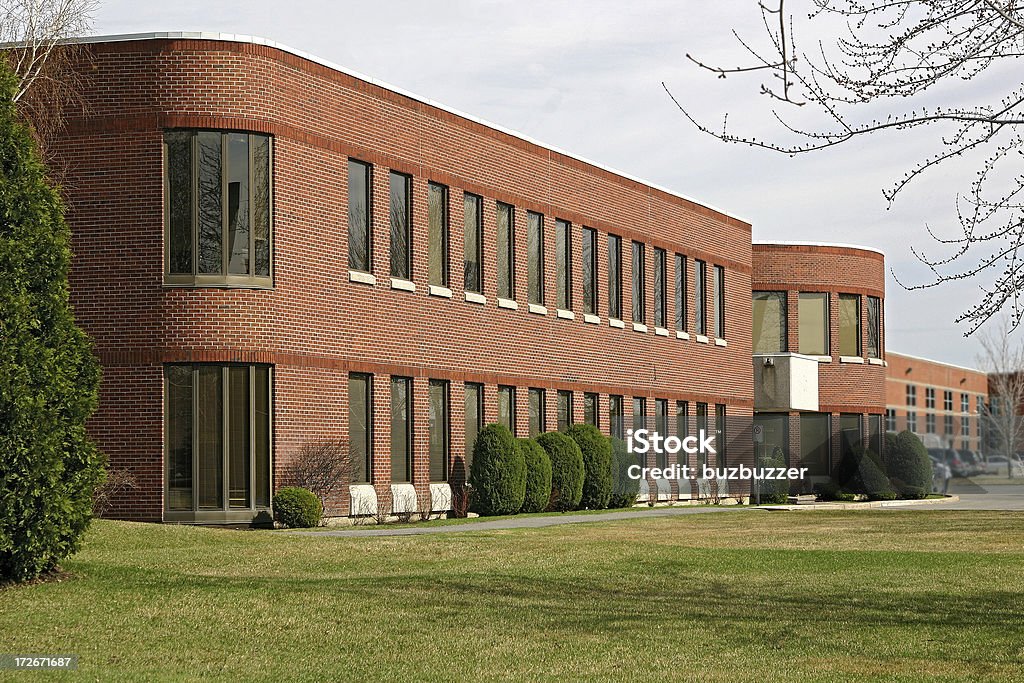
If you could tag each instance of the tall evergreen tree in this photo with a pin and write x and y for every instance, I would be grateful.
(49, 378)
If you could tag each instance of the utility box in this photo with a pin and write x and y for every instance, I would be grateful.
(785, 382)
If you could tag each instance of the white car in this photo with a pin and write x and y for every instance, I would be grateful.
(997, 464)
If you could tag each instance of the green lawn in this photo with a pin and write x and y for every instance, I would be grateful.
(738, 597)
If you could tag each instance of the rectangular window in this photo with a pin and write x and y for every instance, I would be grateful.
(535, 257)
(700, 296)
(890, 420)
(639, 283)
(538, 411)
(564, 410)
(563, 263)
(947, 425)
(947, 400)
(774, 439)
(980, 402)
(360, 252)
(218, 207)
(965, 403)
(912, 420)
(849, 325)
(720, 433)
(615, 277)
(639, 412)
(506, 251)
(719, 302)
(874, 327)
(360, 426)
(702, 428)
(589, 271)
(401, 429)
(682, 428)
(875, 435)
(660, 295)
(816, 443)
(681, 325)
(616, 417)
(769, 309)
(437, 234)
(812, 313)
(591, 409)
(474, 417)
(661, 426)
(507, 407)
(401, 226)
(851, 434)
(929, 423)
(911, 395)
(473, 242)
(440, 431)
(929, 397)
(217, 423)
(965, 429)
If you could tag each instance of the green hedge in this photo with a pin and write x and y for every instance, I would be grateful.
(297, 507)
(597, 464)
(908, 465)
(567, 470)
(774, 491)
(861, 471)
(624, 489)
(538, 476)
(498, 472)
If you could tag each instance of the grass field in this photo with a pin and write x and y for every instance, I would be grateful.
(745, 596)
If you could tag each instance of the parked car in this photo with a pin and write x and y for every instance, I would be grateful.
(951, 459)
(973, 462)
(1001, 465)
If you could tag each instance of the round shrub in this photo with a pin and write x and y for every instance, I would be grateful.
(297, 507)
(624, 488)
(567, 470)
(498, 472)
(774, 491)
(538, 476)
(909, 466)
(860, 471)
(597, 465)
(829, 490)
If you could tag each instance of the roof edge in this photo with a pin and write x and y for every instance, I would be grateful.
(796, 243)
(937, 362)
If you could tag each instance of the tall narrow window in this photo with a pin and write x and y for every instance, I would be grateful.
(851, 434)
(812, 312)
(660, 295)
(437, 235)
(849, 325)
(564, 410)
(929, 397)
(538, 411)
(816, 443)
(700, 296)
(589, 271)
(639, 283)
(563, 263)
(615, 277)
(680, 293)
(360, 251)
(947, 400)
(874, 327)
(720, 433)
(474, 416)
(440, 431)
(769, 309)
(591, 409)
(702, 429)
(639, 412)
(616, 417)
(535, 257)
(473, 241)
(507, 407)
(911, 395)
(360, 430)
(506, 250)
(218, 208)
(682, 428)
(401, 226)
(401, 429)
(719, 302)
(661, 426)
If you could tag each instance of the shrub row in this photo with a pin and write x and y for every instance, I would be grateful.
(906, 472)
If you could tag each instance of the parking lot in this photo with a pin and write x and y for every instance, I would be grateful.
(987, 493)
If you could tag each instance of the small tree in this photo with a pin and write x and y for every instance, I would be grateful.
(597, 462)
(908, 465)
(538, 475)
(498, 472)
(1003, 359)
(48, 376)
(324, 467)
(567, 470)
(625, 489)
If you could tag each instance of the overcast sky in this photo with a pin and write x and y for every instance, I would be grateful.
(586, 77)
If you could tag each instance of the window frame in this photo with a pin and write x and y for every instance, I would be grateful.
(563, 264)
(718, 300)
(592, 405)
(478, 231)
(660, 288)
(783, 298)
(700, 296)
(614, 277)
(588, 247)
(368, 418)
(446, 429)
(825, 297)
(506, 287)
(445, 229)
(410, 440)
(368, 198)
(681, 282)
(874, 331)
(566, 421)
(537, 399)
(408, 233)
(857, 331)
(510, 391)
(472, 389)
(639, 277)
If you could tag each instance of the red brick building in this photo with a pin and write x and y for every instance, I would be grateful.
(270, 250)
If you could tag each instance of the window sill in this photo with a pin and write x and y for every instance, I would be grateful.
(565, 315)
(475, 298)
(508, 303)
(436, 290)
(360, 276)
(701, 339)
(592, 319)
(877, 361)
(538, 309)
(217, 282)
(857, 360)
(822, 359)
(639, 327)
(615, 322)
(404, 285)
(682, 335)
(720, 342)
(661, 331)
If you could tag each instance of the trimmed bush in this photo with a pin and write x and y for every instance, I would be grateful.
(498, 472)
(624, 489)
(861, 472)
(597, 465)
(829, 490)
(297, 507)
(774, 491)
(538, 476)
(908, 465)
(567, 470)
